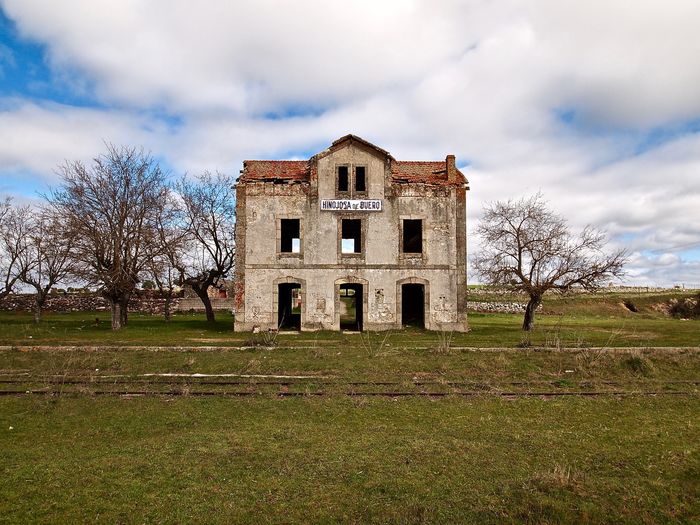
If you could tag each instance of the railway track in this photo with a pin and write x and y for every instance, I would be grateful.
(25, 383)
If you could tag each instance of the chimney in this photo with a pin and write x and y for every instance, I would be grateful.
(451, 168)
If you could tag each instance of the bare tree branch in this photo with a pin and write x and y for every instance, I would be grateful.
(209, 207)
(529, 247)
(111, 209)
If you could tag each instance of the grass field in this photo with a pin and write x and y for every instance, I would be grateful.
(593, 327)
(401, 427)
(307, 460)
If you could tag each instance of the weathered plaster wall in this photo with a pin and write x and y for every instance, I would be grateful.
(320, 265)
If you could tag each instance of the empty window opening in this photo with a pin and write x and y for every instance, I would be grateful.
(350, 302)
(413, 305)
(343, 179)
(413, 236)
(289, 306)
(290, 236)
(351, 236)
(360, 179)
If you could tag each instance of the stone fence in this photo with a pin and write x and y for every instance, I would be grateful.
(492, 290)
(92, 302)
(498, 307)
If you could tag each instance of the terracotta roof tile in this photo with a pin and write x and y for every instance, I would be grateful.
(275, 170)
(424, 172)
(433, 173)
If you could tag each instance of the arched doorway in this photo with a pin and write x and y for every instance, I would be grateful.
(351, 304)
(289, 303)
(413, 302)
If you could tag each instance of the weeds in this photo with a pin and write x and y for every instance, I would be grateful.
(371, 344)
(590, 359)
(560, 477)
(525, 341)
(638, 364)
(444, 342)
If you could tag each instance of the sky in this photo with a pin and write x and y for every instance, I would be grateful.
(596, 104)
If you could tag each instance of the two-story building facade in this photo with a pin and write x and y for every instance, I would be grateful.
(350, 239)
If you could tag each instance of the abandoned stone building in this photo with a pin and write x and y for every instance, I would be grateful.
(351, 239)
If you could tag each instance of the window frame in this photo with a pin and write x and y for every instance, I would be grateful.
(280, 253)
(347, 192)
(424, 229)
(363, 236)
(362, 193)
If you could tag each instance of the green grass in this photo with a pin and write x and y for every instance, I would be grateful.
(487, 330)
(83, 457)
(330, 460)
(354, 363)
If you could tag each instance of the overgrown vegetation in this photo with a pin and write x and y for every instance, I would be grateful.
(685, 307)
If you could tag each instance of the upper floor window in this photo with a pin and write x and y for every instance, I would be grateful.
(351, 236)
(343, 179)
(290, 236)
(351, 179)
(412, 234)
(360, 179)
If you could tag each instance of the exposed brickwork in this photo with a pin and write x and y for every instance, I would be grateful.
(434, 173)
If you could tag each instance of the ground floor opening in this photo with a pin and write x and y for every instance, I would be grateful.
(289, 306)
(413, 305)
(350, 306)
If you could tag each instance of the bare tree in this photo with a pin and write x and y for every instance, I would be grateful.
(209, 206)
(45, 256)
(529, 247)
(169, 251)
(13, 229)
(110, 208)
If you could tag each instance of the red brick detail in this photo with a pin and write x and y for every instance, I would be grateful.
(432, 173)
(275, 170)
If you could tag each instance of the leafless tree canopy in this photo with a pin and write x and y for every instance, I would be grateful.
(111, 209)
(209, 206)
(169, 251)
(45, 256)
(13, 230)
(527, 246)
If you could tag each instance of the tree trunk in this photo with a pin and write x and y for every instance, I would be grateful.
(39, 300)
(123, 310)
(204, 296)
(166, 307)
(116, 315)
(529, 321)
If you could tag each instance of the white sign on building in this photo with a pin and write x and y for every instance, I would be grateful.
(351, 205)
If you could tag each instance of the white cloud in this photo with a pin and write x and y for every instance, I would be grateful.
(480, 79)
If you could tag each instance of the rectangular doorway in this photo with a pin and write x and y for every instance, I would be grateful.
(289, 306)
(350, 302)
(413, 305)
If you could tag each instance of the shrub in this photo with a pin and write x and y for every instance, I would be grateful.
(639, 365)
(686, 308)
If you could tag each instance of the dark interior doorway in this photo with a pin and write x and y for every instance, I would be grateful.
(350, 307)
(413, 305)
(289, 306)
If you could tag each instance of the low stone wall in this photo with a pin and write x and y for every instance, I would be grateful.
(89, 302)
(494, 307)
